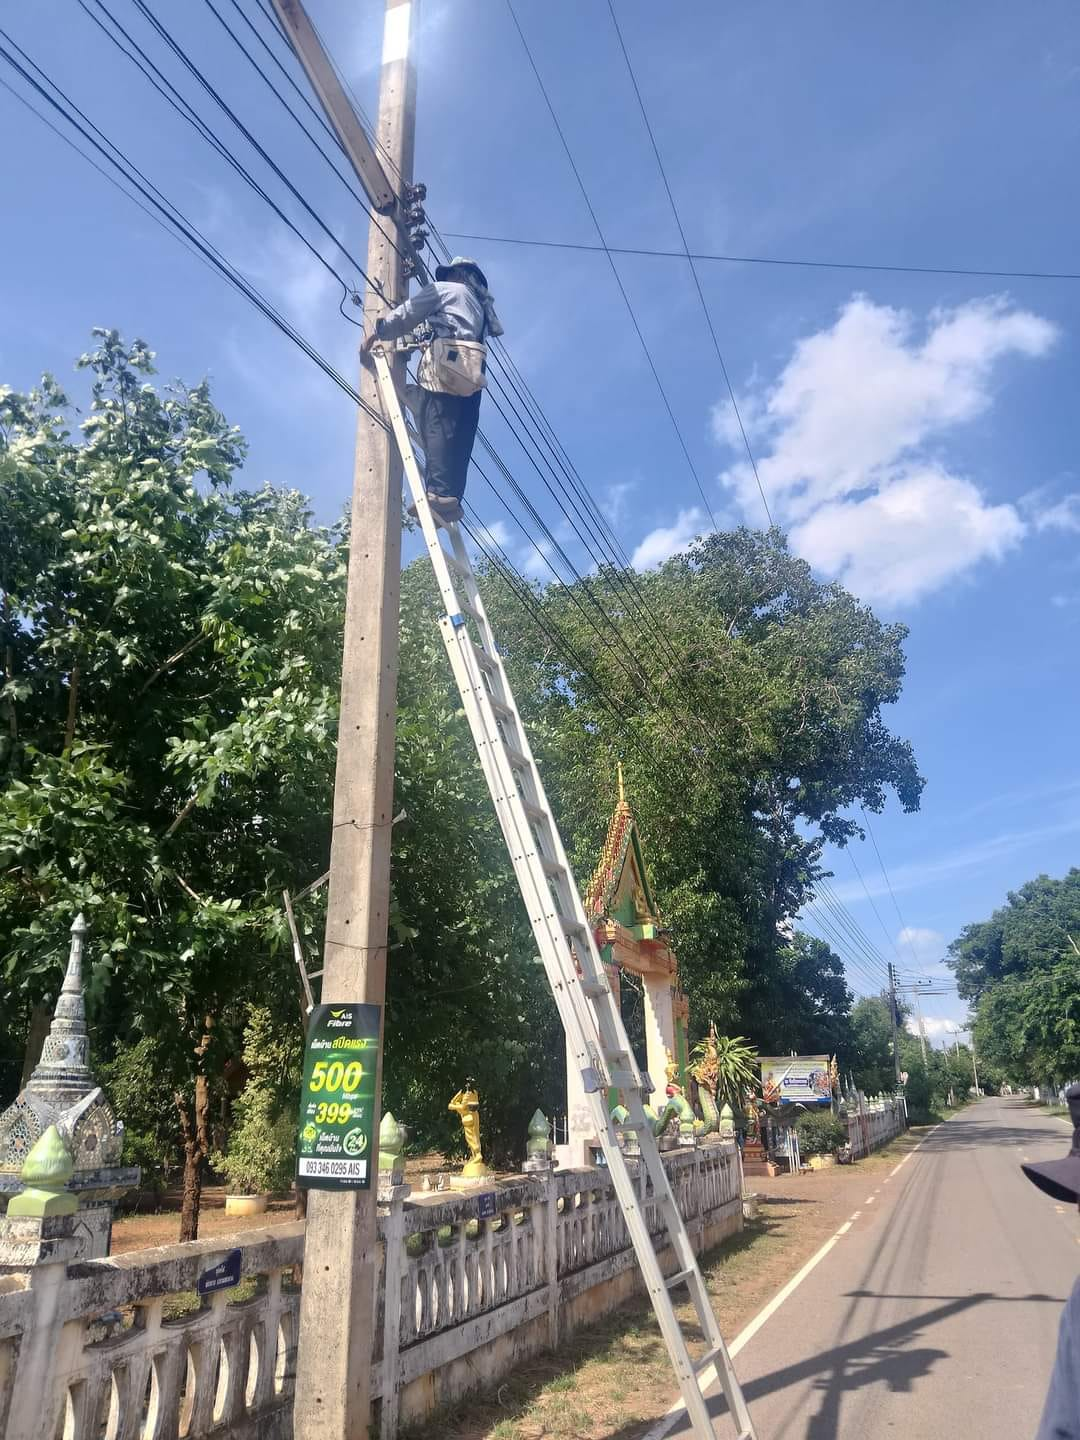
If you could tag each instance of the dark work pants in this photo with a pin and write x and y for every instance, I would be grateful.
(447, 431)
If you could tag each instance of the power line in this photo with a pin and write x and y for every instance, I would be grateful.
(611, 262)
(866, 945)
(870, 898)
(186, 111)
(689, 261)
(904, 932)
(182, 226)
(970, 272)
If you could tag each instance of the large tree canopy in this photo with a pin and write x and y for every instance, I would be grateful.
(170, 659)
(1021, 971)
(753, 719)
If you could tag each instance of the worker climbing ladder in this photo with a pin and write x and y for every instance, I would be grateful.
(587, 1007)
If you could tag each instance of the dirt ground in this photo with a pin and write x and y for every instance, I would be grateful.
(161, 1226)
(614, 1377)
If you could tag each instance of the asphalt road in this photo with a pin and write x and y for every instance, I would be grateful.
(935, 1314)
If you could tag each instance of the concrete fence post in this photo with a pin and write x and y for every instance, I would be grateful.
(549, 1211)
(393, 1230)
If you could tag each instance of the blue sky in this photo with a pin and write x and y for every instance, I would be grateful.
(915, 432)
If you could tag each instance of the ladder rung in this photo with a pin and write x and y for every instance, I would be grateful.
(594, 989)
(706, 1360)
(624, 1080)
(504, 712)
(571, 926)
(679, 1278)
(551, 868)
(470, 610)
(314, 974)
(456, 565)
(484, 660)
(534, 812)
(516, 758)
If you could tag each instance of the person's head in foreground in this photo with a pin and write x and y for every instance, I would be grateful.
(1060, 1179)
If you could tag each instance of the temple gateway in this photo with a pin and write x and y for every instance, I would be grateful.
(631, 938)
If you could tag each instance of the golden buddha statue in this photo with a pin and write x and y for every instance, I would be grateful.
(466, 1104)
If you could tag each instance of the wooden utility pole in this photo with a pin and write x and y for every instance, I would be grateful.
(337, 1307)
(892, 1018)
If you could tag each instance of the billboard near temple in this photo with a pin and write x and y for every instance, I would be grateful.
(795, 1080)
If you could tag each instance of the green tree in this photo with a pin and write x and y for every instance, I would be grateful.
(1020, 969)
(870, 1055)
(745, 735)
(170, 661)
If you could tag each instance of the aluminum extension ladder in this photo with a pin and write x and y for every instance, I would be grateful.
(586, 1005)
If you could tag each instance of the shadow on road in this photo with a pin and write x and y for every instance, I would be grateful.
(868, 1360)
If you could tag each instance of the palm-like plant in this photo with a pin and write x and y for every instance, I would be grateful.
(726, 1066)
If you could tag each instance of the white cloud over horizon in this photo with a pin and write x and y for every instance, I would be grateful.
(844, 433)
(667, 540)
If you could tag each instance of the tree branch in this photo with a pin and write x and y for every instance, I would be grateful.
(182, 816)
(167, 664)
(73, 705)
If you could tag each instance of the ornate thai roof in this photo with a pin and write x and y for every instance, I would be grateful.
(622, 851)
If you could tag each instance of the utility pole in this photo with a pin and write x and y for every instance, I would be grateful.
(892, 1017)
(337, 1308)
(974, 1067)
(922, 1027)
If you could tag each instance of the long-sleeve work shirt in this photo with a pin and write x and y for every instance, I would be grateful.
(449, 307)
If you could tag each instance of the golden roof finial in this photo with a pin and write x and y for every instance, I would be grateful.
(622, 787)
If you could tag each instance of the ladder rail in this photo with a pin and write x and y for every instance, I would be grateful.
(591, 1018)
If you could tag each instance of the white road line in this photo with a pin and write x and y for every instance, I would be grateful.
(708, 1375)
(869, 1199)
(896, 1169)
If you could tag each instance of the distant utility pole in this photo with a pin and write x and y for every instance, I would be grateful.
(892, 1017)
(922, 1025)
(974, 1067)
(337, 1308)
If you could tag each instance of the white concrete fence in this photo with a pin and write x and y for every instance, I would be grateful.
(874, 1124)
(120, 1348)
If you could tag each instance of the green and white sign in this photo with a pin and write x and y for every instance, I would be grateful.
(338, 1124)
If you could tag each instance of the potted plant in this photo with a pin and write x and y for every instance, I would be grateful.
(261, 1153)
(820, 1137)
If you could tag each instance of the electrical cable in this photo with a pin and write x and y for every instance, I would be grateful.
(884, 928)
(211, 90)
(689, 261)
(614, 267)
(830, 897)
(905, 934)
(186, 111)
(843, 939)
(962, 272)
(181, 225)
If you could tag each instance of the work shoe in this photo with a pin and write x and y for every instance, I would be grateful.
(445, 510)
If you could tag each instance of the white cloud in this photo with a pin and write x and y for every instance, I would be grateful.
(614, 503)
(938, 1027)
(925, 946)
(1065, 515)
(493, 536)
(842, 436)
(666, 540)
(534, 560)
(933, 872)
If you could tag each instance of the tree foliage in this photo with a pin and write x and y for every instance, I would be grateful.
(1020, 969)
(169, 670)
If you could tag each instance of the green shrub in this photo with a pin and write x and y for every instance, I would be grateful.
(820, 1134)
(261, 1154)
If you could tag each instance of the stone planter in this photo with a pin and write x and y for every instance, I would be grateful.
(246, 1204)
(750, 1205)
(822, 1162)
